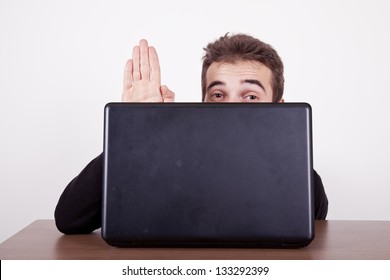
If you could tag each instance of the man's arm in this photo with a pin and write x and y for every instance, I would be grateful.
(320, 198)
(80, 205)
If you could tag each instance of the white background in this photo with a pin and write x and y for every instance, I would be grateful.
(62, 61)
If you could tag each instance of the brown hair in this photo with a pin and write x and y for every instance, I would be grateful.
(233, 48)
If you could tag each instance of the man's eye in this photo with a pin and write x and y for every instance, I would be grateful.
(251, 97)
(217, 95)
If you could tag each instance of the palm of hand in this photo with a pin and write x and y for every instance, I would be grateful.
(142, 78)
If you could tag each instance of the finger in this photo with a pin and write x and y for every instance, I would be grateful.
(155, 74)
(136, 61)
(144, 63)
(128, 75)
(167, 94)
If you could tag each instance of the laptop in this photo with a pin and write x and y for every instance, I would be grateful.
(208, 175)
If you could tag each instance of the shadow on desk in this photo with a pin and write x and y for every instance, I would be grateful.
(335, 240)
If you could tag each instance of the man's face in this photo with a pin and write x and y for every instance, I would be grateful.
(243, 81)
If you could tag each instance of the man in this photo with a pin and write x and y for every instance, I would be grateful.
(237, 68)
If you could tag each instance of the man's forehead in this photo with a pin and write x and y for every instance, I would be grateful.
(242, 70)
(216, 83)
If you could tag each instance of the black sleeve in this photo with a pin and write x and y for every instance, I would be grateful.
(320, 199)
(80, 205)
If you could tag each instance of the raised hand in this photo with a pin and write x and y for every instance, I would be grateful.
(142, 77)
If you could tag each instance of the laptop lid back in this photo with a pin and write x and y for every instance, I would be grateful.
(198, 174)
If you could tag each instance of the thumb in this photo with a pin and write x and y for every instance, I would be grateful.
(167, 94)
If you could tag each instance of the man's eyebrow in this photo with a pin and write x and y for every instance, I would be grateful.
(215, 83)
(255, 82)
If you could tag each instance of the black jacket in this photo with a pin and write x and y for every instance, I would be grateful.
(79, 209)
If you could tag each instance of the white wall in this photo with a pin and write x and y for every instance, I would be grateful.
(61, 61)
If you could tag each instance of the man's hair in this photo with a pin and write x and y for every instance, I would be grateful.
(241, 47)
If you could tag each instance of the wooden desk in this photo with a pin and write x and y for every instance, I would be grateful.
(334, 240)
